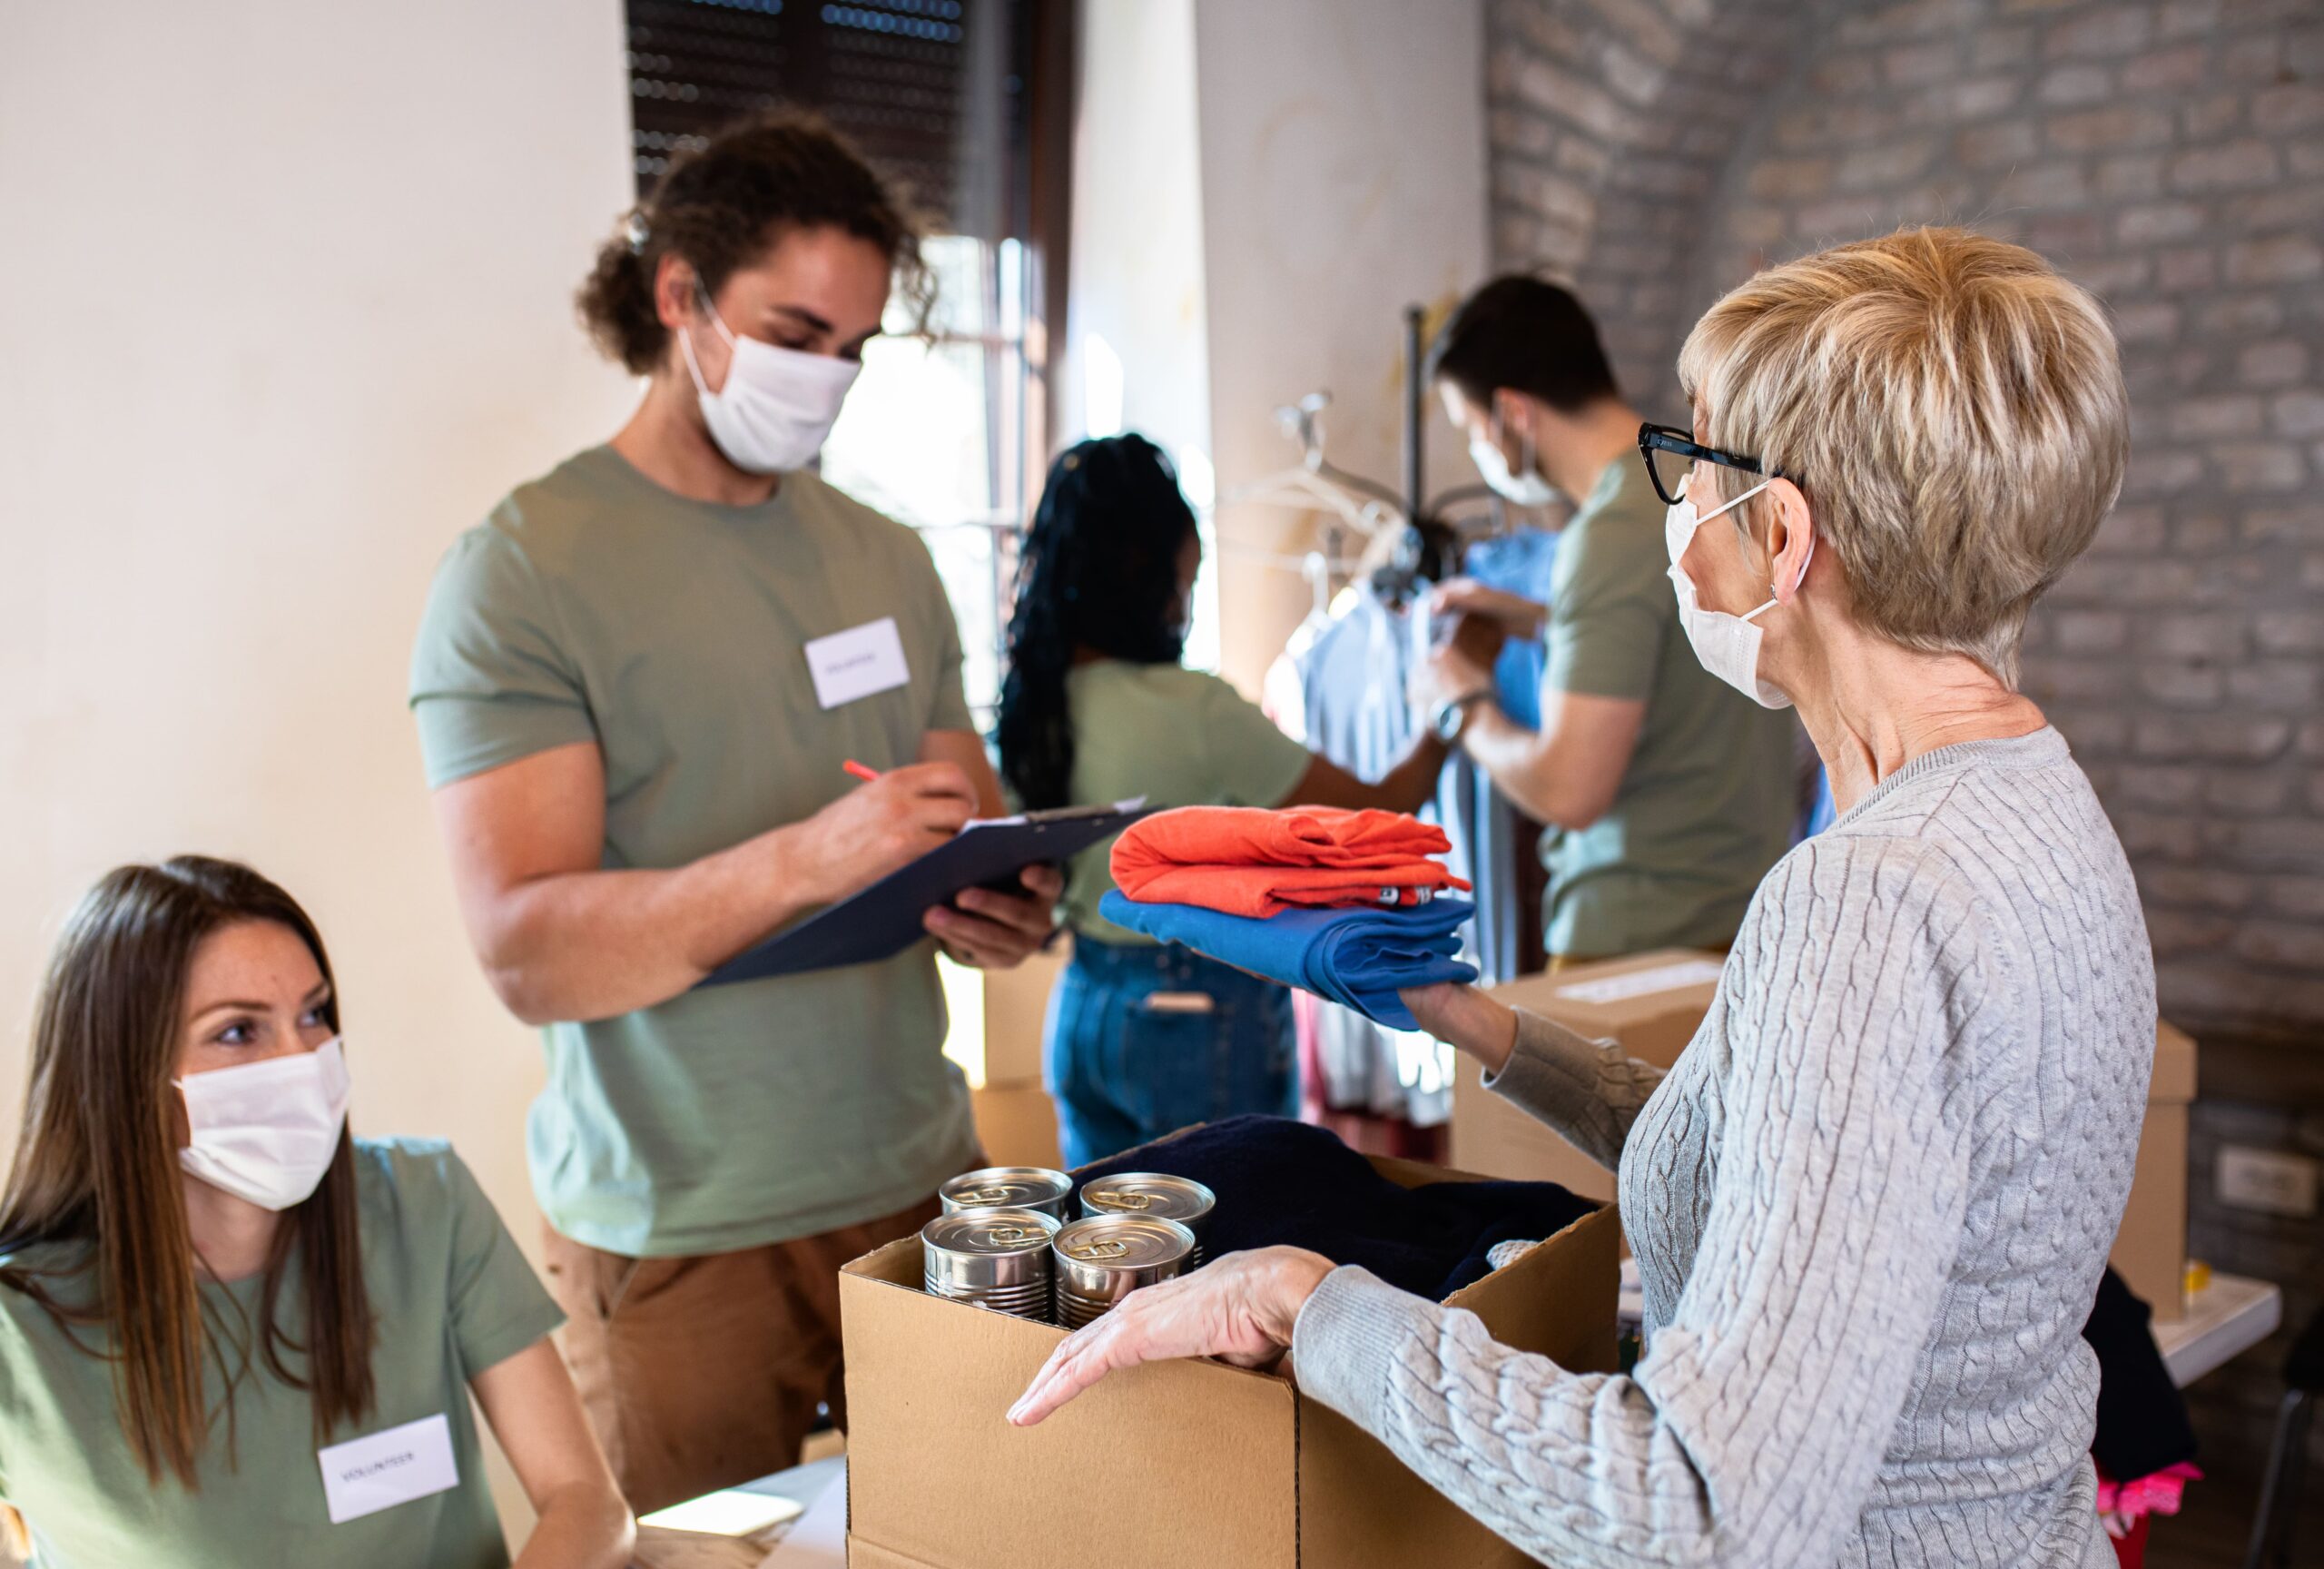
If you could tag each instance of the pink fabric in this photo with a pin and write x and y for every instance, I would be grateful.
(2125, 1508)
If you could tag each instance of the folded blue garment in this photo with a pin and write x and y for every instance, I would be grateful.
(1360, 957)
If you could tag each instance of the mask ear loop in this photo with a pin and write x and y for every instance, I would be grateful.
(686, 339)
(1773, 598)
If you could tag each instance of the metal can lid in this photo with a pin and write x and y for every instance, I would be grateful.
(990, 1233)
(1147, 1193)
(1005, 1187)
(1124, 1242)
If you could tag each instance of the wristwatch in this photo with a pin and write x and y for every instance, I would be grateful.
(1452, 716)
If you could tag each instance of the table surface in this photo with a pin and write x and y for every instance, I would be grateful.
(660, 1548)
(2224, 1319)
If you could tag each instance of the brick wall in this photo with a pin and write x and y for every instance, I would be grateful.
(2169, 155)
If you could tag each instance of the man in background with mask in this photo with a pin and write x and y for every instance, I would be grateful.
(640, 685)
(1667, 794)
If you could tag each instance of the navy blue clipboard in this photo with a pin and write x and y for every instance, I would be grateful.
(883, 920)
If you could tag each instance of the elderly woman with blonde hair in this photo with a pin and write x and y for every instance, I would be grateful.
(1872, 1201)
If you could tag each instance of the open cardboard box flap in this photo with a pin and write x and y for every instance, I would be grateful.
(1171, 1463)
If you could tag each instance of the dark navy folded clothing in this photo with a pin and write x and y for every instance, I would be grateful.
(1359, 957)
(1284, 1183)
(2141, 1426)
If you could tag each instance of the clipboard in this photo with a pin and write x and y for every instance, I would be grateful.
(883, 920)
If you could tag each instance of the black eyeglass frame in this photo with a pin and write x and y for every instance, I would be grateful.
(1653, 438)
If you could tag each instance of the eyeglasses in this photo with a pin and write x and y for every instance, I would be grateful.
(1670, 454)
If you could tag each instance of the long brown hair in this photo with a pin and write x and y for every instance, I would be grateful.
(96, 1170)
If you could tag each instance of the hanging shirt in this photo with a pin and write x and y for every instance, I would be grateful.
(1524, 561)
(1706, 806)
(451, 1296)
(594, 606)
(1179, 738)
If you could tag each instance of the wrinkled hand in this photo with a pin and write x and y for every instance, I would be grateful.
(1447, 673)
(889, 823)
(1241, 1308)
(1521, 616)
(992, 931)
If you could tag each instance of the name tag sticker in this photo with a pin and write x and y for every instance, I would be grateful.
(857, 663)
(381, 1470)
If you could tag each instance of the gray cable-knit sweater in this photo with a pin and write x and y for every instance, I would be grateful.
(1870, 1206)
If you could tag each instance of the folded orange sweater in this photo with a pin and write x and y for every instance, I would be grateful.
(1246, 862)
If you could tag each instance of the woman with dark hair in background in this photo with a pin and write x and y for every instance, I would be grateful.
(207, 1285)
(637, 684)
(1144, 1037)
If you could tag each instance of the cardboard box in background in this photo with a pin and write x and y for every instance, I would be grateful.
(2150, 1249)
(1016, 1009)
(1016, 1120)
(1017, 1124)
(1169, 1465)
(1652, 1004)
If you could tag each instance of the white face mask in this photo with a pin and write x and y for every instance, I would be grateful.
(266, 1132)
(1526, 490)
(778, 404)
(1727, 646)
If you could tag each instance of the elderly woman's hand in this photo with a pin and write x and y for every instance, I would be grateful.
(1241, 1307)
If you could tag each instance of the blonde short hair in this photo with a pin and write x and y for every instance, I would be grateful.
(1952, 407)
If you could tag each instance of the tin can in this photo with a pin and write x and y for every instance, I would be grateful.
(1104, 1259)
(1008, 1187)
(996, 1259)
(1153, 1194)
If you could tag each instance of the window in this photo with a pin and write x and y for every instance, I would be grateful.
(963, 102)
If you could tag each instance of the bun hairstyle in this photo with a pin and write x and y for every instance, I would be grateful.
(722, 206)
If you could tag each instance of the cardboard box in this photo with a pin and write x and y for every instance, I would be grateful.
(2150, 1249)
(1652, 1004)
(1015, 1010)
(1017, 1124)
(1170, 1465)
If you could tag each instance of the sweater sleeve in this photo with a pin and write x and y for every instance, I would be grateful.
(1752, 1430)
(1588, 1091)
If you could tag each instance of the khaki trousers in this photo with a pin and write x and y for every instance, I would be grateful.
(704, 1372)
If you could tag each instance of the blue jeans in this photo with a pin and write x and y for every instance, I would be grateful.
(1126, 1066)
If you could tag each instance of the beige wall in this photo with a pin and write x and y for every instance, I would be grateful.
(283, 306)
(1343, 177)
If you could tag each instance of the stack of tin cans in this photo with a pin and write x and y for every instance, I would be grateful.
(1004, 1242)
(1156, 1197)
(1104, 1259)
(996, 1259)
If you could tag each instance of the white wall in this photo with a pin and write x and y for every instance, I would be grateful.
(1343, 177)
(1136, 254)
(284, 304)
(1138, 223)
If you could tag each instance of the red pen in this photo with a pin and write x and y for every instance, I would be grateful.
(869, 775)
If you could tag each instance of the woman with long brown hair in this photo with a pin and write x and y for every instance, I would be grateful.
(231, 1333)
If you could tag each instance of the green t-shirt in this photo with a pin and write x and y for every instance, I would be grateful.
(452, 1297)
(595, 606)
(1708, 802)
(1177, 737)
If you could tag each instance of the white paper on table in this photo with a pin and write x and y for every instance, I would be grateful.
(818, 1538)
